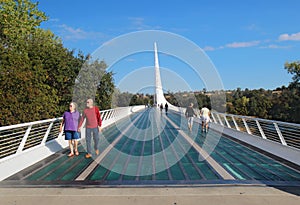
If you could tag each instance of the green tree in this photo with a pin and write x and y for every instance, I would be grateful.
(170, 96)
(294, 69)
(241, 105)
(105, 91)
(122, 99)
(19, 20)
(59, 65)
(36, 72)
(259, 103)
(20, 77)
(88, 82)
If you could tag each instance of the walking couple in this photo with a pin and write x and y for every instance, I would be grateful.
(204, 116)
(72, 123)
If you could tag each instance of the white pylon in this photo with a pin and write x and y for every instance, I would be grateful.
(159, 95)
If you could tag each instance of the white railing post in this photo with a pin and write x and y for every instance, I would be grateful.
(226, 121)
(47, 133)
(221, 123)
(111, 114)
(246, 126)
(103, 115)
(24, 139)
(279, 134)
(213, 116)
(260, 130)
(235, 124)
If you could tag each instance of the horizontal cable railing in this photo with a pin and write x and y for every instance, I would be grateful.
(15, 139)
(287, 134)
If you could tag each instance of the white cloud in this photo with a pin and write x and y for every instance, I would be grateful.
(53, 20)
(273, 46)
(69, 33)
(287, 37)
(209, 48)
(242, 44)
(252, 27)
(138, 23)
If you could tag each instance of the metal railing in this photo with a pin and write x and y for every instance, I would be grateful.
(15, 139)
(287, 134)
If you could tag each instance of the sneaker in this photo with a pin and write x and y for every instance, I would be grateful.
(97, 152)
(88, 155)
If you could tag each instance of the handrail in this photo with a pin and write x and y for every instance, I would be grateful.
(287, 134)
(15, 139)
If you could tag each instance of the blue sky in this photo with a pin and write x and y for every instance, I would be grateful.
(247, 41)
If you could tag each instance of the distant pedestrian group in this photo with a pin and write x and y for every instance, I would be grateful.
(161, 106)
(204, 117)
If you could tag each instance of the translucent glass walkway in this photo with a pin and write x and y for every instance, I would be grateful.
(153, 148)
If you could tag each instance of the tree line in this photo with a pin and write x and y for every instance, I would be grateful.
(39, 77)
(281, 104)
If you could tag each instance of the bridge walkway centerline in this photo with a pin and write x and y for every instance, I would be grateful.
(98, 160)
(239, 164)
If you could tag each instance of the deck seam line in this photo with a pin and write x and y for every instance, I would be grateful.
(97, 161)
(220, 170)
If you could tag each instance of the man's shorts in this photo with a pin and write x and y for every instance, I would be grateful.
(205, 119)
(190, 120)
(71, 135)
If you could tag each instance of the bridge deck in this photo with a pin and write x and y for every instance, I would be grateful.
(152, 148)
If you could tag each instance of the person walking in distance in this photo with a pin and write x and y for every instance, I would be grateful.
(93, 126)
(166, 108)
(190, 114)
(70, 124)
(161, 107)
(205, 118)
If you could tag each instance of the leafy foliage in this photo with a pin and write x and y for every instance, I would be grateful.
(94, 82)
(37, 74)
(294, 69)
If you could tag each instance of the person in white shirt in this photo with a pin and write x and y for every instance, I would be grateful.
(205, 118)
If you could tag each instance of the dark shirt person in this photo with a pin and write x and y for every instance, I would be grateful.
(190, 114)
(166, 108)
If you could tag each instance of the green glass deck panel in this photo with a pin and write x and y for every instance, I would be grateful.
(139, 144)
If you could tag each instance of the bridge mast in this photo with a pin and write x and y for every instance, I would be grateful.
(159, 95)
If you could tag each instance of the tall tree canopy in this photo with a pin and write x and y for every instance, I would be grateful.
(20, 74)
(294, 69)
(37, 73)
(93, 81)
